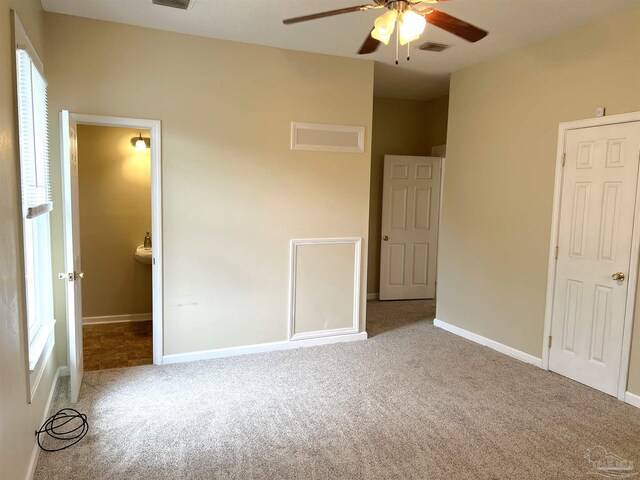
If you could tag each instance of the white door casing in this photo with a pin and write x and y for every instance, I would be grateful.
(73, 265)
(156, 212)
(595, 231)
(410, 209)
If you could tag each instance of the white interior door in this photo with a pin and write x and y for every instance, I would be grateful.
(410, 208)
(594, 253)
(73, 266)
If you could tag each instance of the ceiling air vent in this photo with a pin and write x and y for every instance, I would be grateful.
(181, 4)
(432, 47)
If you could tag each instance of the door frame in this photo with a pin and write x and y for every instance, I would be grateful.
(632, 285)
(156, 212)
(443, 162)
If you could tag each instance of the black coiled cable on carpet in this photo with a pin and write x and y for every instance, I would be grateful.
(68, 425)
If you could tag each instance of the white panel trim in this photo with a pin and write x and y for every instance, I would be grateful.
(260, 348)
(296, 126)
(487, 342)
(35, 453)
(372, 296)
(563, 128)
(356, 241)
(156, 213)
(133, 317)
(632, 399)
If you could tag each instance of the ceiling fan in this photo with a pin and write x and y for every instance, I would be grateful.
(410, 16)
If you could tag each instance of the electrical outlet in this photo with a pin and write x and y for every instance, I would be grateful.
(599, 111)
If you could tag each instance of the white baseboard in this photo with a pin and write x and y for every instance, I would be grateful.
(35, 454)
(632, 399)
(334, 333)
(372, 296)
(487, 342)
(260, 348)
(64, 371)
(134, 317)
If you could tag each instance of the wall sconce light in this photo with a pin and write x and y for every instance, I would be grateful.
(141, 143)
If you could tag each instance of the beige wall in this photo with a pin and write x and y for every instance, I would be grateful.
(498, 191)
(400, 127)
(115, 214)
(234, 193)
(18, 420)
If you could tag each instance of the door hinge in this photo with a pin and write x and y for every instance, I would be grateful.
(557, 252)
(550, 340)
(564, 158)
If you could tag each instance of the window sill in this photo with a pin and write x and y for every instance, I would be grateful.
(39, 343)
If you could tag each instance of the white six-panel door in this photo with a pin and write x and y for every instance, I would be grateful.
(594, 253)
(71, 223)
(410, 208)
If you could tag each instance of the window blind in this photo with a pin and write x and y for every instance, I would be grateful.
(35, 182)
(34, 137)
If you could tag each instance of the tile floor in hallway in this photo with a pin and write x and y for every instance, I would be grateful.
(116, 345)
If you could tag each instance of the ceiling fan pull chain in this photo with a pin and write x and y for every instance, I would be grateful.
(397, 42)
(408, 51)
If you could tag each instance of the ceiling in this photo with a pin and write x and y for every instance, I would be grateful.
(511, 25)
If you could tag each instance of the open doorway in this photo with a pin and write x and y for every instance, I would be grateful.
(411, 200)
(113, 242)
(114, 180)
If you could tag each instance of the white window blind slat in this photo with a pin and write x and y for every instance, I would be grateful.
(34, 136)
(25, 127)
(41, 130)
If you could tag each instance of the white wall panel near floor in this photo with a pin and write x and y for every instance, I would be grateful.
(324, 294)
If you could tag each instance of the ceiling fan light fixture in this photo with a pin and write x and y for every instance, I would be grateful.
(412, 24)
(384, 26)
(412, 16)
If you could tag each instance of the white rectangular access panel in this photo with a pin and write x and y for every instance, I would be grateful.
(324, 298)
(320, 137)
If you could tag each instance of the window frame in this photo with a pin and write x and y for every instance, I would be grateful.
(39, 321)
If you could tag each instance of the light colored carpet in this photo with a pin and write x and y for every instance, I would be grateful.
(412, 402)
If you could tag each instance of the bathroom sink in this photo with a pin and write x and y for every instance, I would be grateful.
(143, 255)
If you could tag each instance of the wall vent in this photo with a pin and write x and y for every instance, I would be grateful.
(181, 4)
(327, 138)
(433, 47)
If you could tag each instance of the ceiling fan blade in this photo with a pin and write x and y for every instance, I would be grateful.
(369, 45)
(455, 25)
(330, 13)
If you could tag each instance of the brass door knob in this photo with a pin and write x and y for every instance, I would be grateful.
(619, 276)
(385, 238)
